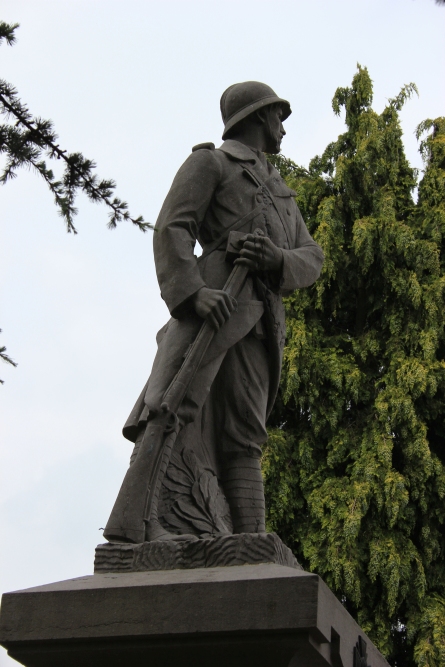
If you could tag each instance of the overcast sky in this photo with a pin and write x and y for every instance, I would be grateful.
(135, 85)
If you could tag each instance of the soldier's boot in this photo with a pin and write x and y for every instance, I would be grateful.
(244, 490)
(154, 531)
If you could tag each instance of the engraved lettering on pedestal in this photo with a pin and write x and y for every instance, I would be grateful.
(360, 654)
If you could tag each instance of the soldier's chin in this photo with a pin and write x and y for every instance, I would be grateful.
(274, 146)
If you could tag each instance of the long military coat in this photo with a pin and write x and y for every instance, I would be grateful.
(214, 191)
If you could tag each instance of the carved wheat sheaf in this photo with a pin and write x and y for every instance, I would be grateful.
(192, 500)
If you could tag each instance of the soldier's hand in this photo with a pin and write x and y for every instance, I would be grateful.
(259, 253)
(213, 305)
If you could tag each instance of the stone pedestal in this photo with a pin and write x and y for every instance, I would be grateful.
(264, 615)
(226, 550)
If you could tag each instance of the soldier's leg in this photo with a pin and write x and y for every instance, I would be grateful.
(241, 392)
(243, 486)
(238, 381)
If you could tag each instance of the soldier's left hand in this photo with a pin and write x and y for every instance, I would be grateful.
(259, 253)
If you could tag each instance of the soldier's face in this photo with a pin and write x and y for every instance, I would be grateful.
(274, 129)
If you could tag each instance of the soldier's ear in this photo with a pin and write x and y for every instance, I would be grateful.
(261, 115)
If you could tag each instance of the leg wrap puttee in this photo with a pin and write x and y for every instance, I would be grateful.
(243, 486)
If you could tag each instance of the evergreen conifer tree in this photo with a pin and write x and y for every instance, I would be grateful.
(354, 466)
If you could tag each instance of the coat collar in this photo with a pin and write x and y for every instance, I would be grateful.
(238, 151)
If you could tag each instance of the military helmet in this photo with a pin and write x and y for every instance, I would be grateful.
(242, 99)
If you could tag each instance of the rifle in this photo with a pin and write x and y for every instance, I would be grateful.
(134, 515)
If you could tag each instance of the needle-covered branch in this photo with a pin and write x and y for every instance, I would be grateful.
(6, 358)
(7, 32)
(29, 140)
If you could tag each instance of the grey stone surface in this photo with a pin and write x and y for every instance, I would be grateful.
(227, 550)
(251, 615)
(200, 421)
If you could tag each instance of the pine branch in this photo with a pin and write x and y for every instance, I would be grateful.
(20, 143)
(405, 94)
(7, 32)
(5, 358)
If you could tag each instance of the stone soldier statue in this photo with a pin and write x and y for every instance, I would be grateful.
(211, 484)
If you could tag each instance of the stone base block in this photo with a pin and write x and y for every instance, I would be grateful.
(264, 615)
(227, 550)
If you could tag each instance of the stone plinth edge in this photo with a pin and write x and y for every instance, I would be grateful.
(242, 616)
(222, 551)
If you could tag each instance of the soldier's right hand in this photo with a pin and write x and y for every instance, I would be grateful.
(213, 305)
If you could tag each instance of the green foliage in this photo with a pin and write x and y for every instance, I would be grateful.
(7, 32)
(354, 466)
(431, 209)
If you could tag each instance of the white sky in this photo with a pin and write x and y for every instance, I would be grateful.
(135, 85)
